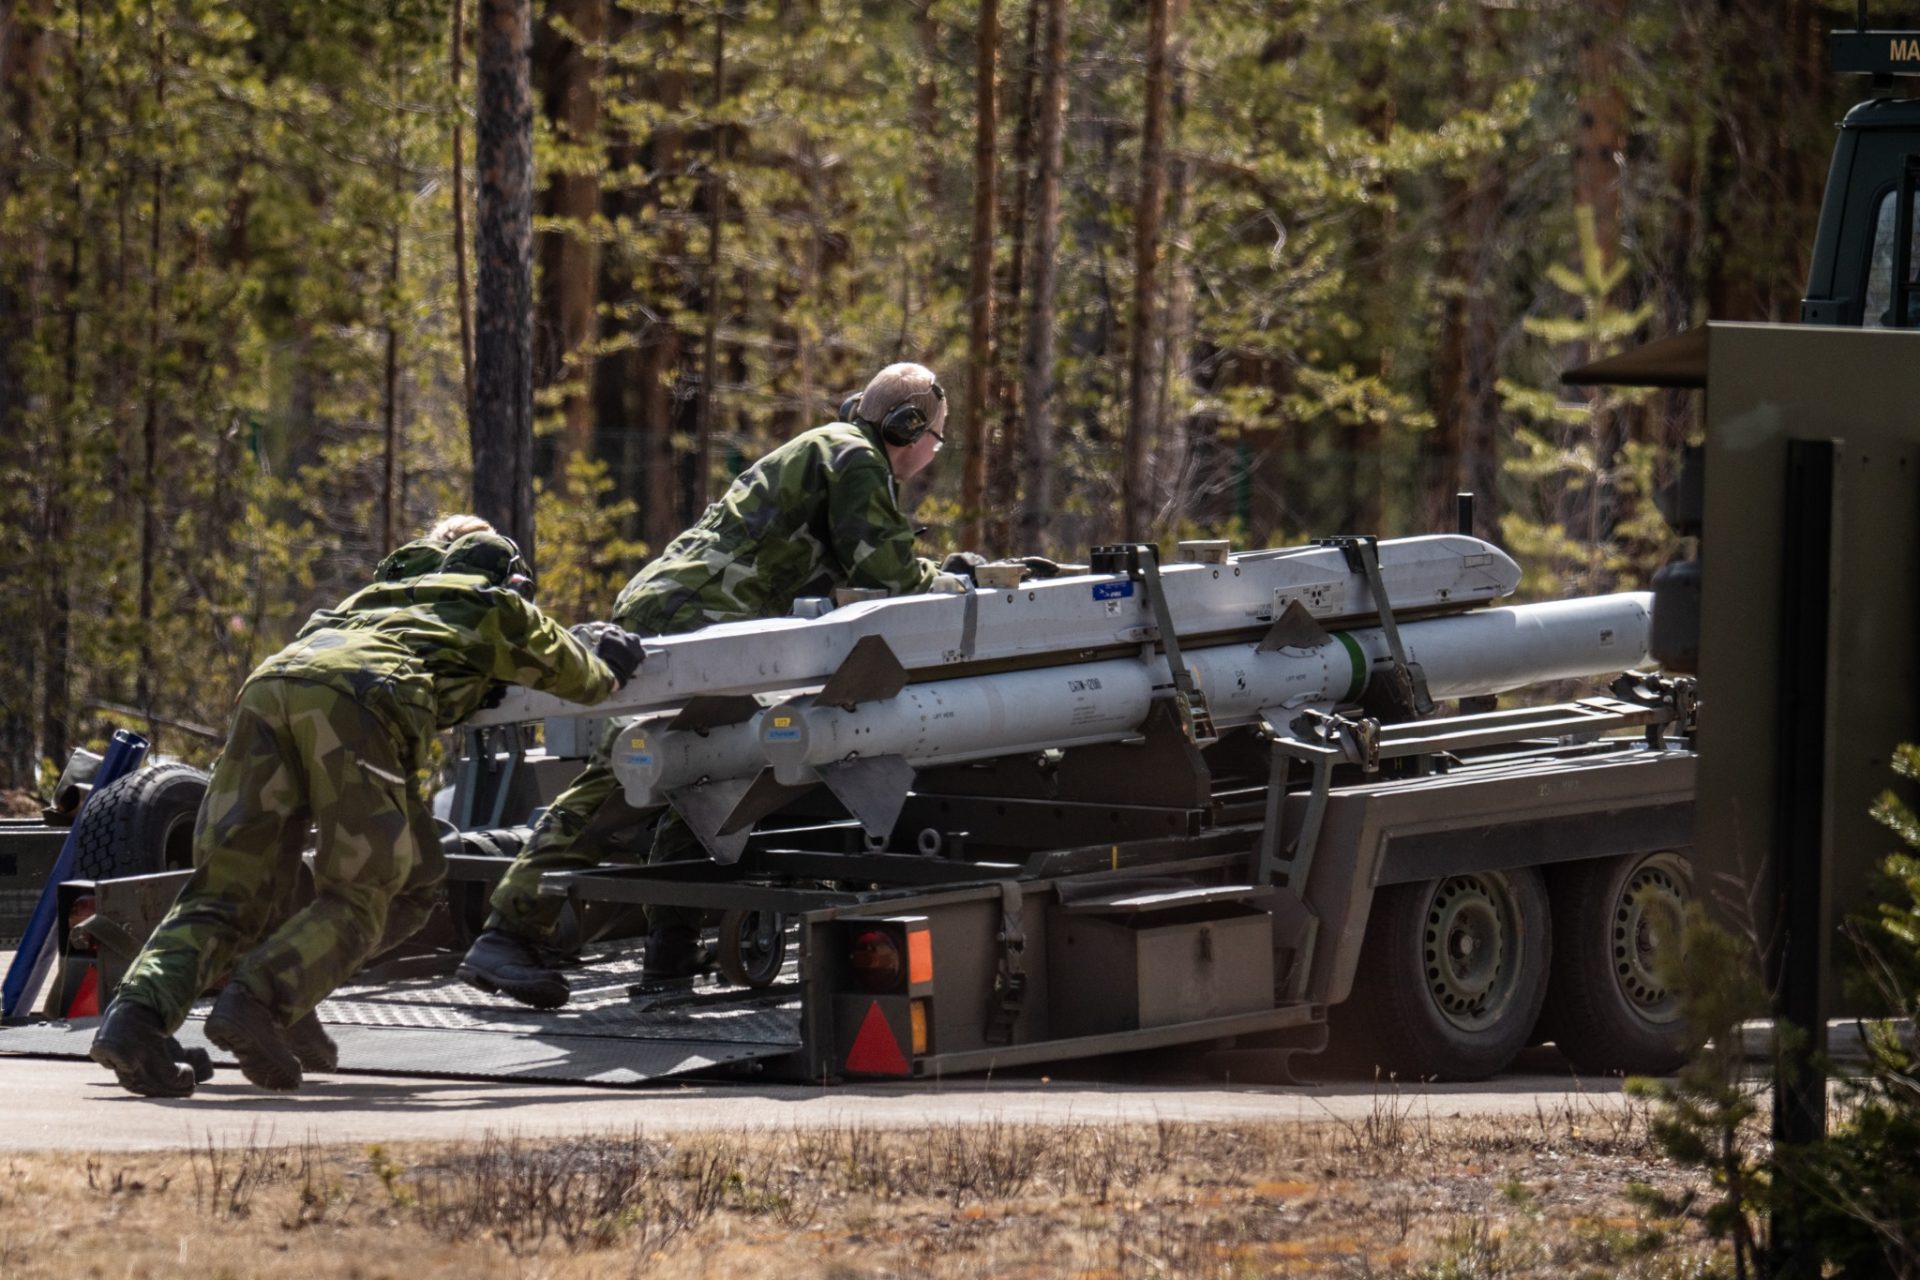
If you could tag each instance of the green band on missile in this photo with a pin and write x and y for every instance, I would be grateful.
(1359, 661)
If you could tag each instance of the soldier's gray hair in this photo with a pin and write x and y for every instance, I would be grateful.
(455, 527)
(898, 383)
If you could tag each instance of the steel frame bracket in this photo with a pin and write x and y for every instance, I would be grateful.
(1140, 561)
(1010, 979)
(1409, 681)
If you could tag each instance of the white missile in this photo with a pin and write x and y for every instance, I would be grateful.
(866, 751)
(1042, 622)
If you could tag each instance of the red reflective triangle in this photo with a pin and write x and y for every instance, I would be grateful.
(86, 1001)
(875, 1051)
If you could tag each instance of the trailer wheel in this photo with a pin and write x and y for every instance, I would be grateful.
(1611, 1008)
(139, 824)
(1451, 978)
(753, 947)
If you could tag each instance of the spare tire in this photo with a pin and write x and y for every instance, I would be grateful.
(139, 824)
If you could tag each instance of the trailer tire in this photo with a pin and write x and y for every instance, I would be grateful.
(139, 824)
(1451, 978)
(753, 946)
(1610, 1008)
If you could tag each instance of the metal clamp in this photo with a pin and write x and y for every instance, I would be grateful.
(1409, 682)
(1678, 694)
(1140, 561)
(1010, 979)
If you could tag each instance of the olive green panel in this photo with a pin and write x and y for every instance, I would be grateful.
(1767, 384)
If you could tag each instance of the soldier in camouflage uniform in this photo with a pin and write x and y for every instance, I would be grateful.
(819, 512)
(336, 728)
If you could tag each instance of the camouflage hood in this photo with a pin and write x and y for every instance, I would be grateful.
(492, 556)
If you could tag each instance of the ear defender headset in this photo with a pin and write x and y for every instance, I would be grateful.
(905, 423)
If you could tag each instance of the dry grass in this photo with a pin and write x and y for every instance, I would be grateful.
(1402, 1193)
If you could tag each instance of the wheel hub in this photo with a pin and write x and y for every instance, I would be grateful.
(1471, 927)
(1647, 920)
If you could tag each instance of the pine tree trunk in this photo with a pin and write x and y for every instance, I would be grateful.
(1462, 451)
(1171, 380)
(1136, 487)
(500, 424)
(986, 197)
(566, 54)
(926, 99)
(1036, 505)
(56, 704)
(145, 666)
(23, 70)
(1003, 467)
(463, 294)
(1600, 144)
(710, 289)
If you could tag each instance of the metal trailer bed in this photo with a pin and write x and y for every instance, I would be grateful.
(1223, 907)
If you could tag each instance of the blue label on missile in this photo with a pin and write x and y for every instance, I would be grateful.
(782, 735)
(640, 759)
(1112, 590)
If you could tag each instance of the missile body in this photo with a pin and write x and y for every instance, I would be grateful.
(940, 722)
(1045, 622)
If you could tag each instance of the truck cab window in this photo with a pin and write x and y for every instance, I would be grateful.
(1879, 309)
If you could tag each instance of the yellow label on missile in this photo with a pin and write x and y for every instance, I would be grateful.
(781, 722)
(638, 744)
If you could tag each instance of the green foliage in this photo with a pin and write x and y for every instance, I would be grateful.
(1708, 1115)
(1857, 1194)
(217, 219)
(1852, 1199)
(585, 560)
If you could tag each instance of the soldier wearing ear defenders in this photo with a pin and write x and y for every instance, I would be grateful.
(334, 729)
(819, 512)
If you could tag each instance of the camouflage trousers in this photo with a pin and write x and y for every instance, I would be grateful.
(564, 840)
(298, 752)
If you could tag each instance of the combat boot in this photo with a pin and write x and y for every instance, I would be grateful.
(499, 961)
(198, 1060)
(245, 1028)
(132, 1043)
(674, 954)
(311, 1044)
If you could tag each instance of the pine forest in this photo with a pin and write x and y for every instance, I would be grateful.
(1260, 270)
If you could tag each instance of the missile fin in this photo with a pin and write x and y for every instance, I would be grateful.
(764, 796)
(873, 790)
(1295, 628)
(716, 711)
(869, 673)
(706, 807)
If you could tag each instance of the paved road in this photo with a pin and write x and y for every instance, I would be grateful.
(55, 1104)
(75, 1105)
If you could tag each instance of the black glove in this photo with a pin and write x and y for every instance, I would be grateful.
(962, 564)
(614, 645)
(1040, 567)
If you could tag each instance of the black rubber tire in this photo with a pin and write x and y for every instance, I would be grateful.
(139, 824)
(1609, 1008)
(753, 947)
(1409, 1015)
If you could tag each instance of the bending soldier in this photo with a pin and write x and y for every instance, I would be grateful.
(334, 729)
(819, 512)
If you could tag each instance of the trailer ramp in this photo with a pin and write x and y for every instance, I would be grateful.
(413, 1018)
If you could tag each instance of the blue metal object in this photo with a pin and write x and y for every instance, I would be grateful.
(35, 956)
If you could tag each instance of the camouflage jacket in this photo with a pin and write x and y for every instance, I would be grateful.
(817, 513)
(421, 556)
(439, 643)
